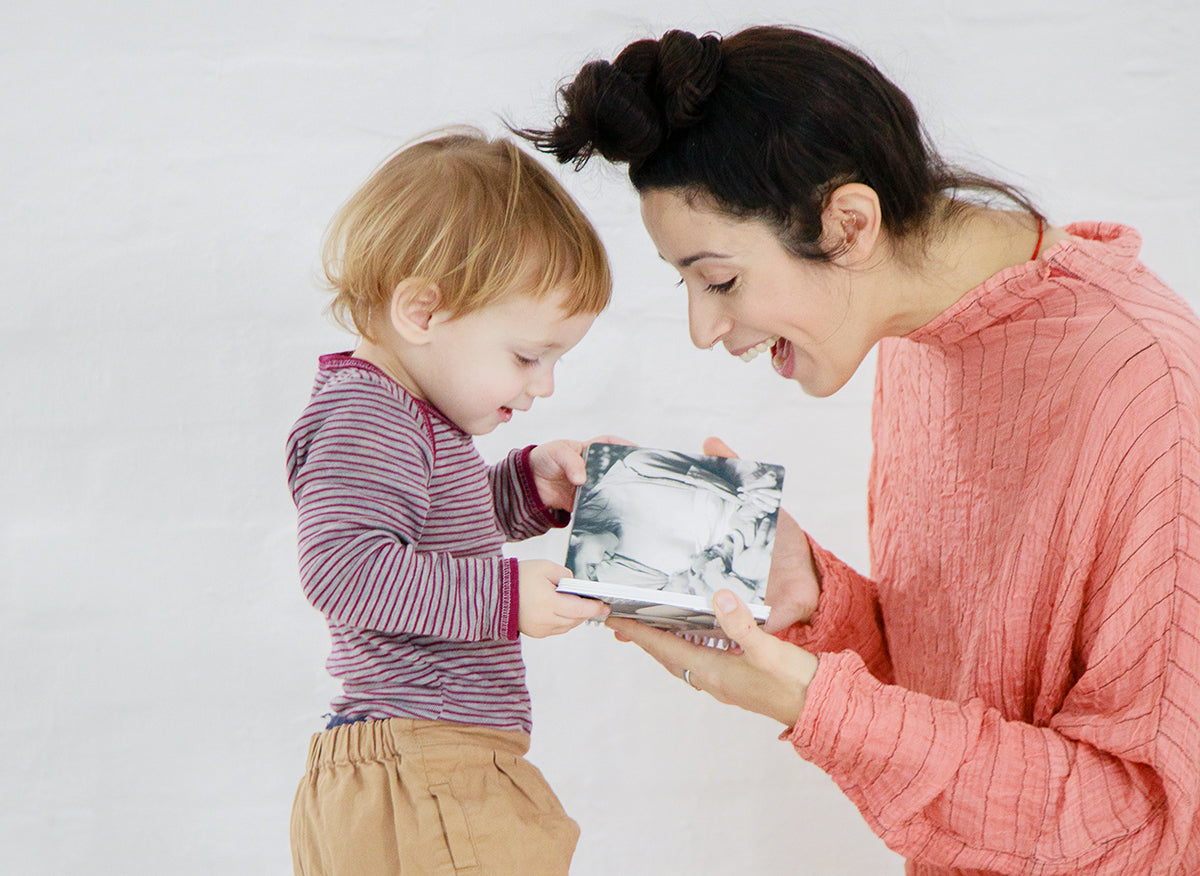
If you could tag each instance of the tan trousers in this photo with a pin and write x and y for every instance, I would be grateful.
(426, 797)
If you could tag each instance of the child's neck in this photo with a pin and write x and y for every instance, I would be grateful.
(389, 363)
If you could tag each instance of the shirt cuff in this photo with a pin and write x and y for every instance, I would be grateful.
(510, 598)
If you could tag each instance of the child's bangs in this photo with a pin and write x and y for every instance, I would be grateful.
(540, 261)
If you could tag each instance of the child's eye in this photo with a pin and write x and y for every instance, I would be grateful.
(525, 361)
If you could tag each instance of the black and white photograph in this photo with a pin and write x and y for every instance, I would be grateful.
(676, 523)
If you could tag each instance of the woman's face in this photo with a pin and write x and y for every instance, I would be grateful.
(746, 292)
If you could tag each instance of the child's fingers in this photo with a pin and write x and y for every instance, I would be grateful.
(611, 439)
(568, 456)
(576, 469)
(579, 608)
(555, 573)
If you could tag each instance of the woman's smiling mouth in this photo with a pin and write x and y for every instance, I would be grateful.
(752, 353)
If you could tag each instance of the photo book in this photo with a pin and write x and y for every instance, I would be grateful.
(656, 533)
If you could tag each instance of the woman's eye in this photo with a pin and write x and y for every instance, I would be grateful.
(718, 288)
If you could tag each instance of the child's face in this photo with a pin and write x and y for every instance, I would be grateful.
(491, 362)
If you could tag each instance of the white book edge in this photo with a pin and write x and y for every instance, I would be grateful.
(690, 601)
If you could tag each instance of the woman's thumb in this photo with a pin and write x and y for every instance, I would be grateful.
(734, 616)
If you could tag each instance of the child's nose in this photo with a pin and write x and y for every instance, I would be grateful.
(542, 384)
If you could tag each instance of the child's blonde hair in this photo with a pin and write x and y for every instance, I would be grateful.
(479, 218)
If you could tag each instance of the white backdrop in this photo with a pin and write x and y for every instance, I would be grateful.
(168, 169)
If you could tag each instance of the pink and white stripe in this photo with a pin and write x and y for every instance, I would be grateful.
(400, 525)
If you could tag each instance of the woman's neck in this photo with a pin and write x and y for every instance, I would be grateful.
(968, 246)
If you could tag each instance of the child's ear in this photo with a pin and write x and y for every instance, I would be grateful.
(414, 303)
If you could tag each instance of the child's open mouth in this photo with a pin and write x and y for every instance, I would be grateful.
(505, 414)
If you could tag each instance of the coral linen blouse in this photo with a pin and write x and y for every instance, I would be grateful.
(1017, 687)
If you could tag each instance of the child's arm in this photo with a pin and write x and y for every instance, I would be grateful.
(534, 487)
(361, 492)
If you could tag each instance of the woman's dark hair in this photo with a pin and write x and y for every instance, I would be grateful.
(766, 123)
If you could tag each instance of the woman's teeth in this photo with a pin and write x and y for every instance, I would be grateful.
(761, 347)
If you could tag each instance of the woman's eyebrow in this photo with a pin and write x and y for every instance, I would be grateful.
(688, 261)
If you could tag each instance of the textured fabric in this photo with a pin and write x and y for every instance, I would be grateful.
(426, 797)
(1016, 689)
(400, 529)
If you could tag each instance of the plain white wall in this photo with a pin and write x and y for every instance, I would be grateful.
(167, 171)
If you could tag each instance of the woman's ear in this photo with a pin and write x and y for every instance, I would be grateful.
(852, 224)
(414, 303)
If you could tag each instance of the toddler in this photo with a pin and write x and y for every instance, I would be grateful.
(467, 272)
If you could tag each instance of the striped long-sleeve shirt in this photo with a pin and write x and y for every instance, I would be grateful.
(400, 529)
(1017, 688)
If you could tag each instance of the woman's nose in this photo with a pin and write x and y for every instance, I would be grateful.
(706, 323)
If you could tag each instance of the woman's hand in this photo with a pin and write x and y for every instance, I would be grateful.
(793, 586)
(767, 675)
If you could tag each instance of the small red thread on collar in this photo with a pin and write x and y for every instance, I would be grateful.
(1041, 233)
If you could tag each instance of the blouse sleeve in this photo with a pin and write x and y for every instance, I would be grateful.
(847, 616)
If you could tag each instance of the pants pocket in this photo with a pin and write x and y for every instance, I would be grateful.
(529, 781)
(454, 823)
(549, 829)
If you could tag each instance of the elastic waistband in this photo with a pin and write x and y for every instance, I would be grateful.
(377, 739)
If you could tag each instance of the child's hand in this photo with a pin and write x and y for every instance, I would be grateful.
(558, 469)
(543, 611)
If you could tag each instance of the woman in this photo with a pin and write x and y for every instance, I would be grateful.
(1016, 688)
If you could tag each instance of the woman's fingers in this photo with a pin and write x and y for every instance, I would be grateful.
(717, 447)
(667, 648)
(774, 674)
(793, 590)
(760, 673)
(736, 620)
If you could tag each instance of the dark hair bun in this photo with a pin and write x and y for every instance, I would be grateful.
(688, 68)
(625, 109)
(606, 110)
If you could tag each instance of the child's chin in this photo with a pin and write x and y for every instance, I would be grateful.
(480, 427)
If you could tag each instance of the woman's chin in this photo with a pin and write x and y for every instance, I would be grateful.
(819, 384)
